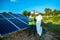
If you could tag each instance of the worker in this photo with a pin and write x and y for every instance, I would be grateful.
(38, 24)
(31, 24)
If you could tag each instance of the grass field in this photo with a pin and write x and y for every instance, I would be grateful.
(52, 24)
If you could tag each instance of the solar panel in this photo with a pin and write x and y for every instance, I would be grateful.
(9, 25)
(20, 24)
(8, 16)
(1, 17)
(6, 27)
(26, 18)
(22, 17)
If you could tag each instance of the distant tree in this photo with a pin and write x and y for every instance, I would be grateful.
(48, 10)
(28, 13)
(9, 12)
(41, 13)
(4, 12)
(25, 13)
(56, 12)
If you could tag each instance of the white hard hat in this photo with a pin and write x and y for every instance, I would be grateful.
(32, 12)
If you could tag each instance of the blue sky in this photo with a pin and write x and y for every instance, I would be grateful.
(17, 6)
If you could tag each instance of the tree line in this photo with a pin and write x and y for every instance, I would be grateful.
(48, 12)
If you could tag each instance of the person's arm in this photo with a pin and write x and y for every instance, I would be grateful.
(40, 20)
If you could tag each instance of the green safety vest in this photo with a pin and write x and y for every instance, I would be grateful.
(31, 22)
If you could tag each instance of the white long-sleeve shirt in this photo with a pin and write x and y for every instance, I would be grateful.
(38, 25)
(38, 18)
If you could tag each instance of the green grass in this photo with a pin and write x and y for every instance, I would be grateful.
(53, 19)
(52, 24)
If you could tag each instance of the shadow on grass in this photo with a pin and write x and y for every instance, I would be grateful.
(55, 28)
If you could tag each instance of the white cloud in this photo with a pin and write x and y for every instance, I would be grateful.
(13, 0)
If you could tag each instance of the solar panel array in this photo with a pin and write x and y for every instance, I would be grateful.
(10, 23)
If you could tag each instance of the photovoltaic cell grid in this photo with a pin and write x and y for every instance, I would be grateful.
(24, 18)
(6, 27)
(1, 17)
(7, 16)
(10, 24)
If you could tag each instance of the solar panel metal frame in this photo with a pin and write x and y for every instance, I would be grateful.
(7, 15)
(19, 16)
(18, 19)
(11, 32)
(1, 17)
(6, 34)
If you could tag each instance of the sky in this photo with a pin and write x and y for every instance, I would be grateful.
(17, 6)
